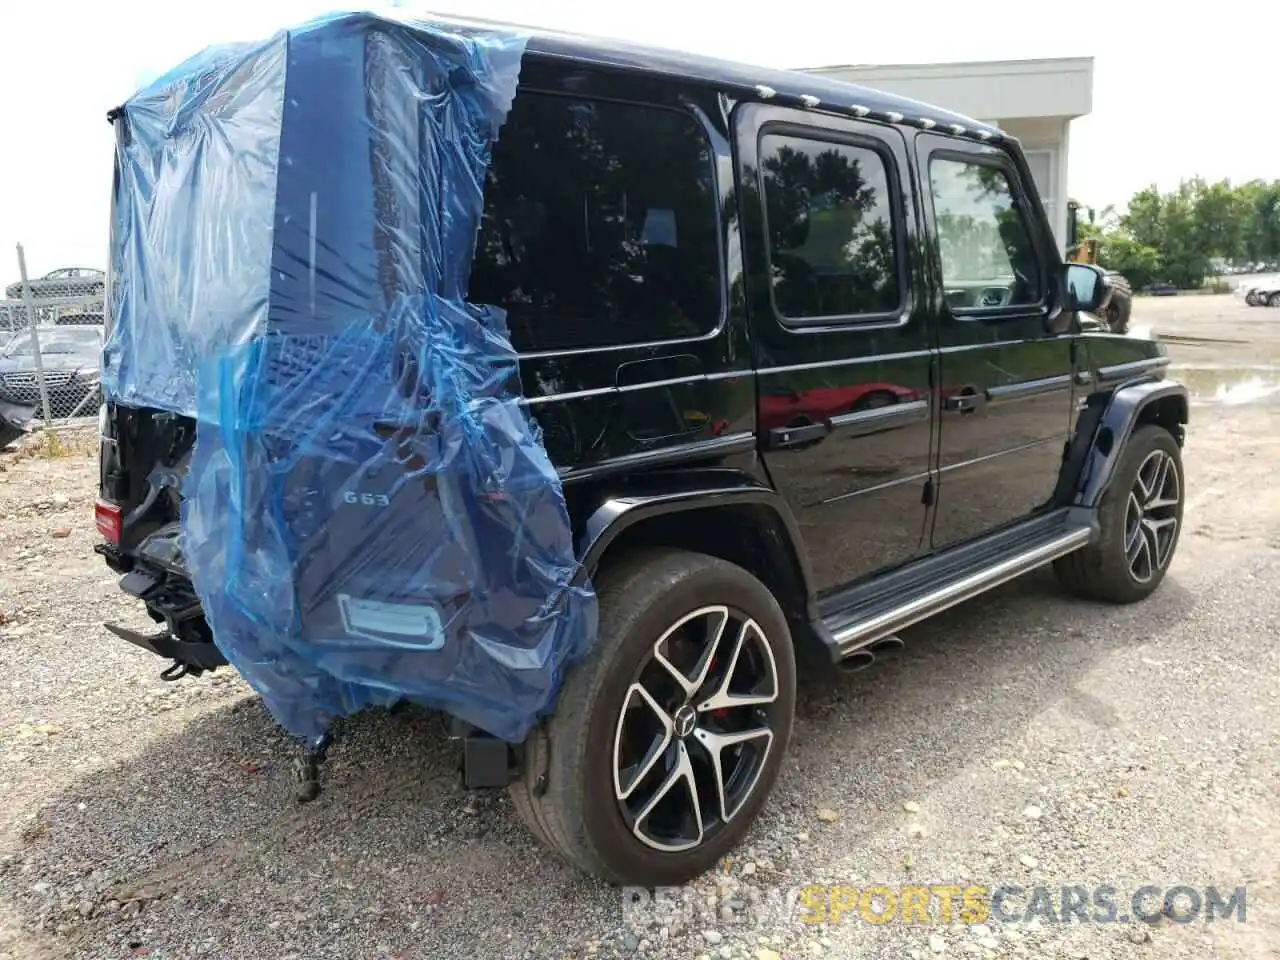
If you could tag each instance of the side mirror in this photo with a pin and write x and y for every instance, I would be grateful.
(1086, 288)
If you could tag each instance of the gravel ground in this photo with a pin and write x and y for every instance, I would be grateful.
(1023, 738)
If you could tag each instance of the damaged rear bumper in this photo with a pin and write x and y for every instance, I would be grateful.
(170, 599)
(187, 642)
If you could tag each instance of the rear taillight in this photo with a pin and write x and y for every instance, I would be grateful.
(107, 517)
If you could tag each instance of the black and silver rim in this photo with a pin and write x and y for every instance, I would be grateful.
(695, 729)
(1151, 519)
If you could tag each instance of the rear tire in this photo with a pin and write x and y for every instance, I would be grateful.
(1273, 300)
(1141, 519)
(582, 790)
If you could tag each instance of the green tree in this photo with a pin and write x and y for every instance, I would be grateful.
(1184, 251)
(1221, 215)
(1177, 236)
(1143, 221)
(1139, 263)
(1261, 233)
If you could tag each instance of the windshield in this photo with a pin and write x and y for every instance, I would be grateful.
(69, 340)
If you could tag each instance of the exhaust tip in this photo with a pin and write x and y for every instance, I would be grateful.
(867, 656)
(887, 646)
(857, 662)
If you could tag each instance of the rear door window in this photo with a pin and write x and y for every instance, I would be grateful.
(600, 226)
(829, 209)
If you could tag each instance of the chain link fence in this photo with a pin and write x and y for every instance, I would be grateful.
(51, 335)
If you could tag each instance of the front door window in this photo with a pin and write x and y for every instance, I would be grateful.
(987, 256)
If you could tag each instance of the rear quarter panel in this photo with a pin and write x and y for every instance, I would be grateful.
(665, 398)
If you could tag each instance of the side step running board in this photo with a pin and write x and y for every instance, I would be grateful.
(857, 629)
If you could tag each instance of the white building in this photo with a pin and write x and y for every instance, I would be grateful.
(1033, 100)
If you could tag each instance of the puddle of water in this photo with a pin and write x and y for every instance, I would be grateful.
(1229, 385)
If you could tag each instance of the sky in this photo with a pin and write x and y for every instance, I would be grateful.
(1174, 96)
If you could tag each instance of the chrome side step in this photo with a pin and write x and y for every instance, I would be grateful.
(854, 634)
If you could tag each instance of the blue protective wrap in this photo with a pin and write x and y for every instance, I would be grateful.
(369, 514)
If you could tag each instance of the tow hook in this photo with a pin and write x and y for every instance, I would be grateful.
(306, 768)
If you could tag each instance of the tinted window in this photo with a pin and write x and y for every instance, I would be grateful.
(982, 236)
(599, 225)
(831, 246)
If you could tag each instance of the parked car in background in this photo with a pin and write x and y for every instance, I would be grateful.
(71, 357)
(13, 316)
(50, 309)
(63, 282)
(80, 318)
(1160, 289)
(1261, 293)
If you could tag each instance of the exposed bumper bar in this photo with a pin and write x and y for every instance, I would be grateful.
(196, 657)
(185, 639)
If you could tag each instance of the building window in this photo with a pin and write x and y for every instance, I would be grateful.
(987, 255)
(600, 226)
(828, 207)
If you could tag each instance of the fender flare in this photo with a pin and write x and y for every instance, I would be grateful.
(620, 508)
(1103, 431)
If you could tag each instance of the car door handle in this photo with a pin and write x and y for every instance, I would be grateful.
(783, 438)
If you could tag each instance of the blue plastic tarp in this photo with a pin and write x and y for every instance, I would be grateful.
(369, 514)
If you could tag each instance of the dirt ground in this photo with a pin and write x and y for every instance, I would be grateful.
(1023, 738)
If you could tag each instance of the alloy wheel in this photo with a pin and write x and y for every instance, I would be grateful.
(1151, 518)
(695, 729)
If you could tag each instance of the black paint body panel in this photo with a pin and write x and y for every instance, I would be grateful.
(851, 446)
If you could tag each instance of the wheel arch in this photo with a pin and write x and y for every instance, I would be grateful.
(1105, 425)
(725, 514)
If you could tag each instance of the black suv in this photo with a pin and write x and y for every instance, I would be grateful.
(812, 369)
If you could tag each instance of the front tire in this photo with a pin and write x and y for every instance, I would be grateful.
(1141, 519)
(668, 738)
(1273, 300)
